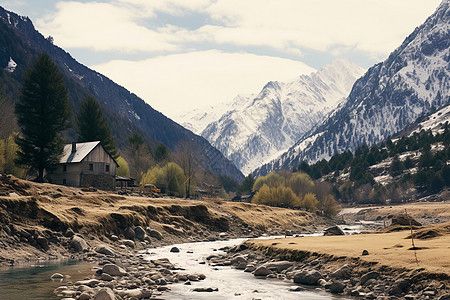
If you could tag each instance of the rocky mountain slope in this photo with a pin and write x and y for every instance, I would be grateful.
(21, 44)
(257, 128)
(391, 95)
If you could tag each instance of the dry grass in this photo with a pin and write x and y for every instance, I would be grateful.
(416, 210)
(390, 249)
(93, 209)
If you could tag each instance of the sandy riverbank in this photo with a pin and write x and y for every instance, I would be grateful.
(389, 270)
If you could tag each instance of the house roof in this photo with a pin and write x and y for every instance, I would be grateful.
(82, 150)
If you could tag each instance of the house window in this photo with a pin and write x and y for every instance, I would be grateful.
(107, 169)
(64, 168)
(91, 167)
(64, 181)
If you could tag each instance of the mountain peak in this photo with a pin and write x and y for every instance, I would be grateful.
(281, 113)
(390, 96)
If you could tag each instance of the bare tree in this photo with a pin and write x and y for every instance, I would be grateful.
(138, 155)
(188, 155)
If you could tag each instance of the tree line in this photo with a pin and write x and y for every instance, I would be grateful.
(425, 173)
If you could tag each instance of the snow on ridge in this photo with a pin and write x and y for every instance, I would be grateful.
(12, 65)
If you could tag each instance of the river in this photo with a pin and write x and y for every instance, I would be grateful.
(33, 282)
(232, 283)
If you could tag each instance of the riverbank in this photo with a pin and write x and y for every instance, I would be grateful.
(45, 222)
(371, 266)
(41, 221)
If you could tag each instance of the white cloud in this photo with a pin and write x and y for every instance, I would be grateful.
(103, 27)
(373, 27)
(180, 82)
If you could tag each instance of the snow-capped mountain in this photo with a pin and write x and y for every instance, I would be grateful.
(257, 128)
(198, 119)
(391, 95)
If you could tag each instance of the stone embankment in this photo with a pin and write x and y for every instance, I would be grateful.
(338, 275)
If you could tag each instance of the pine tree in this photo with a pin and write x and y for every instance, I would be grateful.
(42, 113)
(93, 126)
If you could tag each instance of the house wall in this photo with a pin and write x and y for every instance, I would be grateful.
(97, 169)
(70, 177)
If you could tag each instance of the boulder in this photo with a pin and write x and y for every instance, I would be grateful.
(307, 277)
(343, 272)
(337, 287)
(113, 270)
(139, 232)
(238, 260)
(103, 249)
(278, 266)
(400, 286)
(105, 294)
(175, 250)
(365, 252)
(154, 233)
(84, 296)
(262, 271)
(42, 242)
(404, 220)
(78, 244)
(137, 293)
(128, 243)
(370, 275)
(114, 238)
(335, 230)
(106, 277)
(129, 233)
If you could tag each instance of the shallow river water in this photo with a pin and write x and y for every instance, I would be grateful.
(33, 281)
(232, 283)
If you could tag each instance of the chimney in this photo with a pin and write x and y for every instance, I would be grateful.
(74, 147)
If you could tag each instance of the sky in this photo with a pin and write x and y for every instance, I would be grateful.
(183, 54)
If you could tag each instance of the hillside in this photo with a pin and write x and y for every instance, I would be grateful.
(390, 96)
(21, 44)
(30, 212)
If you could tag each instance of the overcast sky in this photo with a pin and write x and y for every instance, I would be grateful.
(182, 54)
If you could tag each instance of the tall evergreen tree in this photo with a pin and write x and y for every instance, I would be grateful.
(42, 113)
(93, 126)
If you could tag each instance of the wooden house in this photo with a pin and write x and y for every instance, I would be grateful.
(85, 165)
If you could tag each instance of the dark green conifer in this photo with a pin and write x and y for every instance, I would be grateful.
(93, 126)
(42, 113)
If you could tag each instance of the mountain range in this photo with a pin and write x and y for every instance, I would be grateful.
(21, 44)
(254, 128)
(411, 82)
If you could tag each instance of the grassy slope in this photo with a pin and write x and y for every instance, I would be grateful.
(388, 249)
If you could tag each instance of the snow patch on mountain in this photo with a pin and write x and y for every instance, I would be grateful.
(12, 65)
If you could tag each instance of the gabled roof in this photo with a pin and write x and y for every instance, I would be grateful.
(82, 150)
